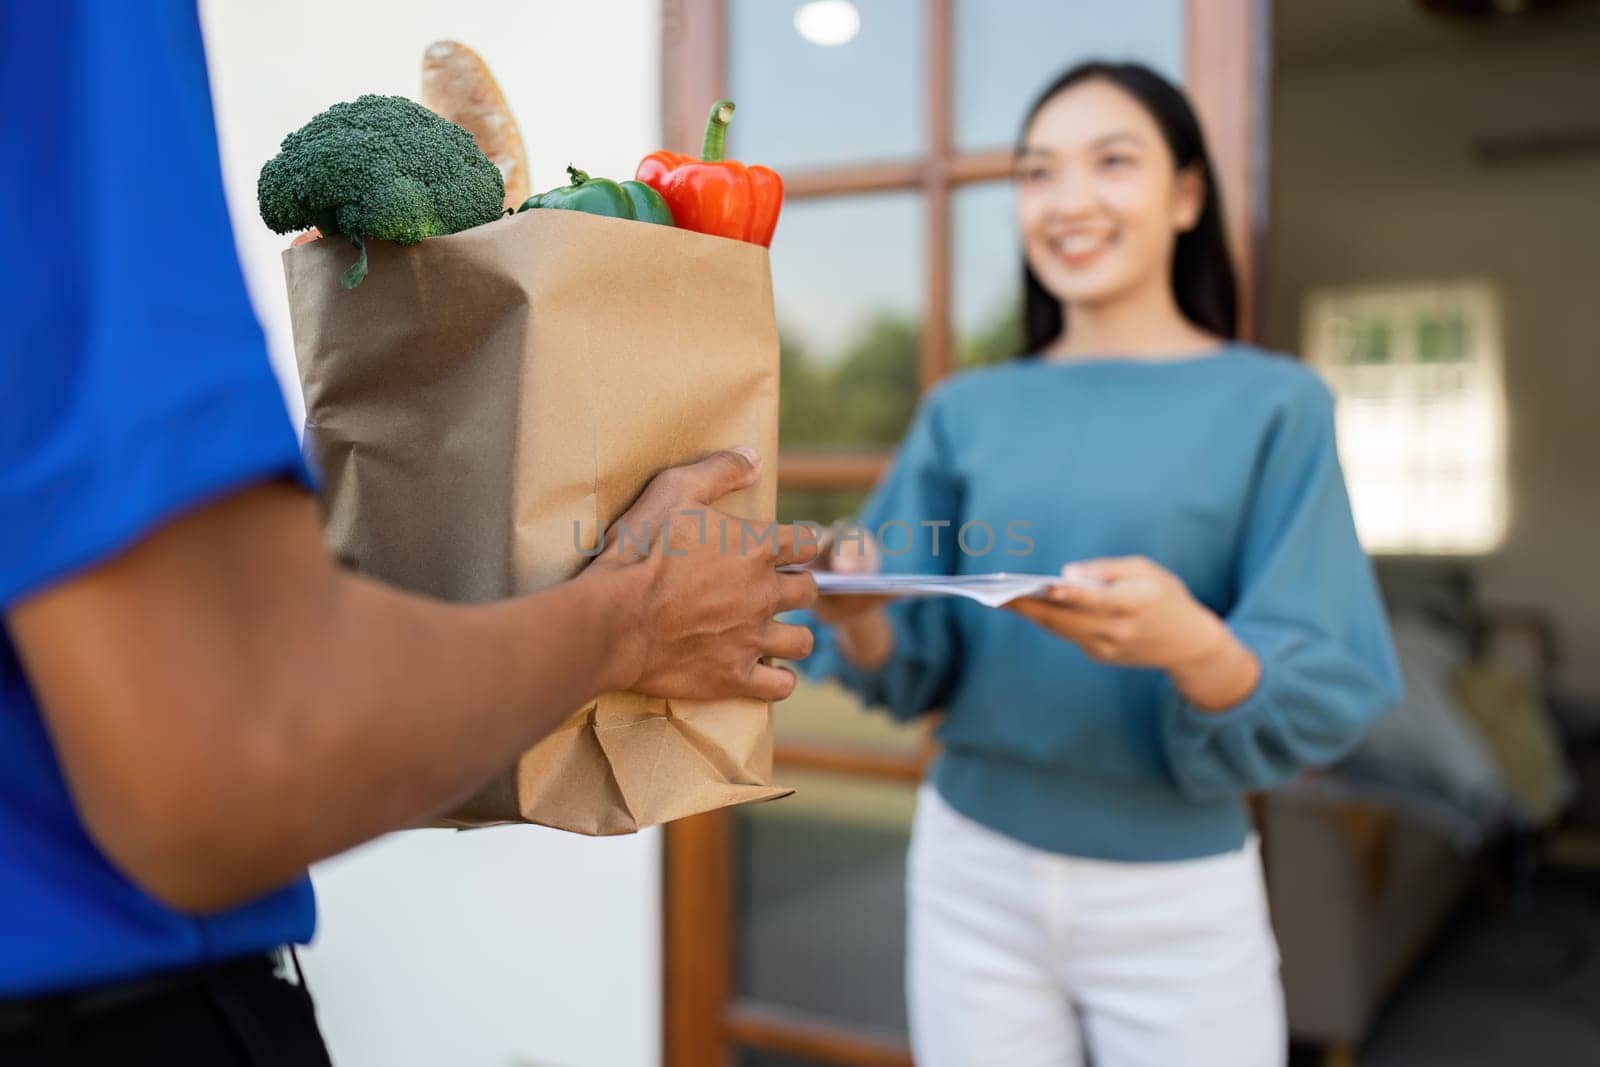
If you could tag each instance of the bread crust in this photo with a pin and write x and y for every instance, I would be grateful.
(457, 85)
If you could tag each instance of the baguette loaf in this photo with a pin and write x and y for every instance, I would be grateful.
(457, 85)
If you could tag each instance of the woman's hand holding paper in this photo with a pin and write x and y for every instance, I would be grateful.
(1142, 615)
(865, 635)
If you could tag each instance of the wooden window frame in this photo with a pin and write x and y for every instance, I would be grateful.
(1225, 64)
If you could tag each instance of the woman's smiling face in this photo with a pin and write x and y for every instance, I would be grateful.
(1099, 201)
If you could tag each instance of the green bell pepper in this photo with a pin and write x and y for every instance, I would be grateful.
(602, 196)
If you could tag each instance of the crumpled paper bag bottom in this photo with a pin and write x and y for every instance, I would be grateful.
(661, 766)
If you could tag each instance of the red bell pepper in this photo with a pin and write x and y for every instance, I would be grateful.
(715, 195)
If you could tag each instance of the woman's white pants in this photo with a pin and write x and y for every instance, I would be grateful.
(1019, 957)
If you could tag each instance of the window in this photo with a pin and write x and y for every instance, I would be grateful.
(1421, 419)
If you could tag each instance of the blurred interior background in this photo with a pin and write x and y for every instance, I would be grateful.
(1412, 189)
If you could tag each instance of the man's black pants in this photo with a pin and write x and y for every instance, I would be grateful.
(237, 1014)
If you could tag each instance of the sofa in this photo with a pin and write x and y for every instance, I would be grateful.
(1366, 862)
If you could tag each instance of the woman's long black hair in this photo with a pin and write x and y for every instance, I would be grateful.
(1202, 269)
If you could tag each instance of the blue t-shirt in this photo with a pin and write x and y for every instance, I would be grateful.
(134, 386)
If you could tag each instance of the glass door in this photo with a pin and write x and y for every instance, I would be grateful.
(895, 264)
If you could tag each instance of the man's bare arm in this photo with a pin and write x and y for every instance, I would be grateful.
(228, 706)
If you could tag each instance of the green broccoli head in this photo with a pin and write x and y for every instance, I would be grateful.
(383, 167)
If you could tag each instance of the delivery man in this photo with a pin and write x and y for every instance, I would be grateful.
(196, 703)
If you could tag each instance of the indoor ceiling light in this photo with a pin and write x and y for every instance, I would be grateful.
(828, 22)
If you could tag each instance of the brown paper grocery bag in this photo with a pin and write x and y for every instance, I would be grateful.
(480, 393)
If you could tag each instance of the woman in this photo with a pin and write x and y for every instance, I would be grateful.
(1083, 880)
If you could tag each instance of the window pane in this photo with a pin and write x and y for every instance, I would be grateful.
(986, 288)
(1007, 53)
(820, 506)
(829, 713)
(846, 274)
(820, 899)
(809, 105)
(1421, 418)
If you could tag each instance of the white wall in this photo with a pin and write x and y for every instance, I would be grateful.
(515, 945)
(1375, 177)
(583, 78)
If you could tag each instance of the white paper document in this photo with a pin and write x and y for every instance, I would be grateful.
(990, 590)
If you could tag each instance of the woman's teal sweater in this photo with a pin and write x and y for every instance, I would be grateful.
(1223, 469)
